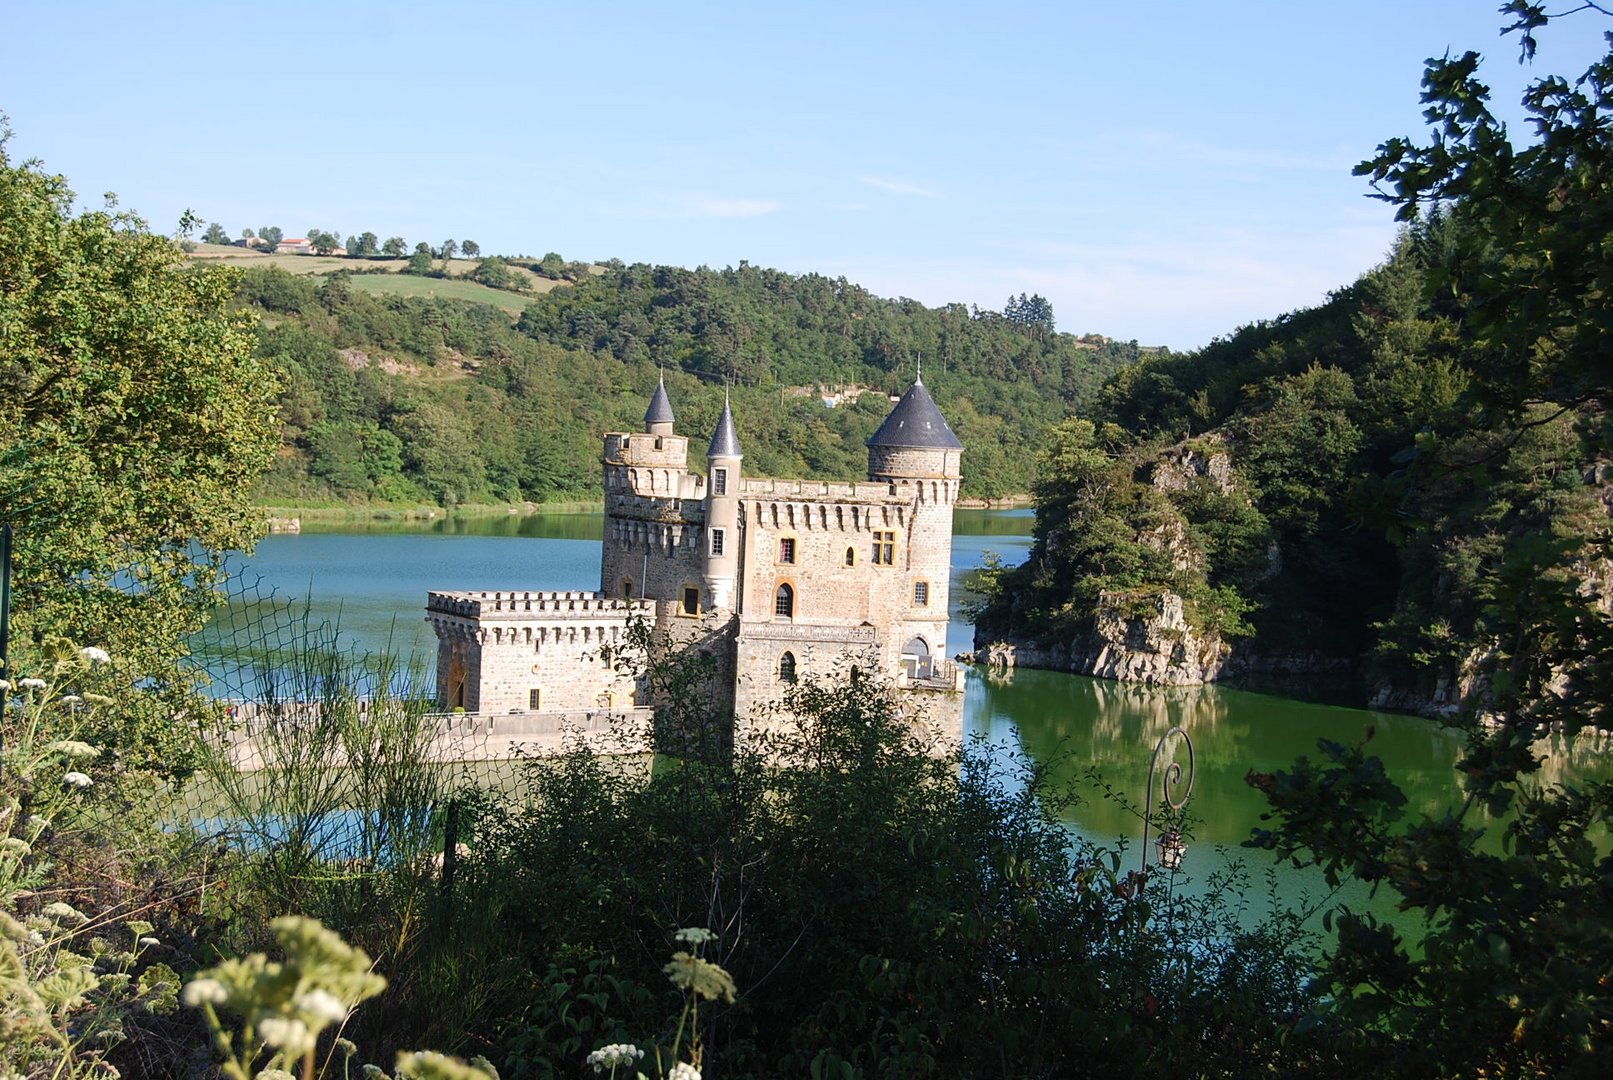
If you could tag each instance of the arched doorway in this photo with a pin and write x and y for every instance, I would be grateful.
(916, 659)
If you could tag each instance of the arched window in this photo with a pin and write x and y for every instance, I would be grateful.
(786, 667)
(851, 556)
(784, 601)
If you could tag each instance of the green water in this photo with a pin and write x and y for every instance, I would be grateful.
(371, 581)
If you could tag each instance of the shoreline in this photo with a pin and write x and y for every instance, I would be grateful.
(276, 513)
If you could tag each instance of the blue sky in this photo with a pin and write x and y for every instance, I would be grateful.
(1161, 171)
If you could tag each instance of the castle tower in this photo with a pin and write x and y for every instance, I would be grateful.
(647, 542)
(721, 569)
(915, 452)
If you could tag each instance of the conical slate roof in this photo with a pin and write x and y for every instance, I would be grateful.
(660, 410)
(916, 422)
(725, 440)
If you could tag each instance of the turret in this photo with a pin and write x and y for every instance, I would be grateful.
(721, 567)
(916, 443)
(658, 417)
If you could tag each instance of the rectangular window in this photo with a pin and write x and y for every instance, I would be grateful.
(921, 594)
(719, 481)
(532, 698)
(884, 548)
(691, 601)
(786, 550)
(716, 541)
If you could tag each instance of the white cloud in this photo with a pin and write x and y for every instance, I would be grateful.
(900, 187)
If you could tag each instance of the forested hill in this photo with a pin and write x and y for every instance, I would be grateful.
(1343, 482)
(399, 399)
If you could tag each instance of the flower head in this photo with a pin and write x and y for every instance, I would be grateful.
(683, 1071)
(204, 992)
(76, 780)
(702, 976)
(290, 1035)
(321, 1006)
(614, 1056)
(95, 655)
(694, 935)
(31, 684)
(74, 748)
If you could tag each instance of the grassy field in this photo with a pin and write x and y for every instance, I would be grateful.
(329, 264)
(447, 288)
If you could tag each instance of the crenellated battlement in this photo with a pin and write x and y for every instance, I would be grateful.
(511, 605)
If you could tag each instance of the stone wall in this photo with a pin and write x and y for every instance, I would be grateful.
(498, 648)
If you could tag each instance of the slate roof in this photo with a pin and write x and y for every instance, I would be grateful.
(660, 410)
(725, 440)
(916, 422)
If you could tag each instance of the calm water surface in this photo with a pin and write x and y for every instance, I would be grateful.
(370, 581)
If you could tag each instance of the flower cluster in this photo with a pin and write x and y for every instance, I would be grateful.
(286, 1005)
(614, 1056)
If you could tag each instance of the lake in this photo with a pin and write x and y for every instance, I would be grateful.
(370, 582)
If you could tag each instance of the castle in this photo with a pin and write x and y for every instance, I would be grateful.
(777, 579)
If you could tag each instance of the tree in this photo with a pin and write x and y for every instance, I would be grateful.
(366, 245)
(471, 249)
(271, 235)
(1509, 977)
(420, 262)
(135, 417)
(394, 247)
(215, 234)
(323, 242)
(448, 249)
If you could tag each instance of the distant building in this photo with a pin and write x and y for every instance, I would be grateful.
(776, 578)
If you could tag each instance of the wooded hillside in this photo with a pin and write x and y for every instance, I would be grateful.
(406, 399)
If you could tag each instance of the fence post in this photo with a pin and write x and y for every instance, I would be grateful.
(450, 857)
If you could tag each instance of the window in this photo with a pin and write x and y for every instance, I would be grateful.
(921, 594)
(884, 548)
(786, 550)
(719, 481)
(691, 601)
(786, 667)
(627, 588)
(851, 556)
(716, 541)
(533, 696)
(658, 442)
(784, 602)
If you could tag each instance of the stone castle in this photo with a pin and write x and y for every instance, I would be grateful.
(778, 579)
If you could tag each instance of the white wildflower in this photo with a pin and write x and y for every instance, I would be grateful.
(148, 942)
(322, 1006)
(74, 748)
(31, 684)
(614, 1056)
(63, 912)
(5, 684)
(683, 1071)
(694, 935)
(290, 1035)
(273, 1074)
(77, 780)
(70, 699)
(203, 992)
(95, 655)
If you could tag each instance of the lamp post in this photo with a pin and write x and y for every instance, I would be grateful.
(1173, 791)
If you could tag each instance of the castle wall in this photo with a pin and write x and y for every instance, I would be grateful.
(510, 644)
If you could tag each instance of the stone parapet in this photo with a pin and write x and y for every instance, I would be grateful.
(511, 605)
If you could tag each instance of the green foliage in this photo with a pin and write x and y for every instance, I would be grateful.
(488, 412)
(882, 906)
(134, 419)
